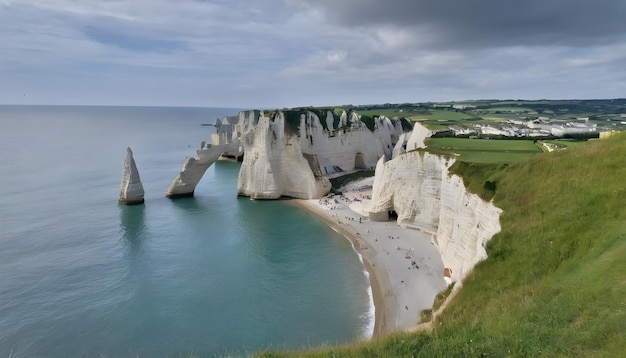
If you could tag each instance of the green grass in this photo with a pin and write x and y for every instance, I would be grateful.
(431, 118)
(566, 143)
(442, 296)
(498, 117)
(555, 281)
(387, 112)
(444, 115)
(508, 109)
(438, 119)
(484, 150)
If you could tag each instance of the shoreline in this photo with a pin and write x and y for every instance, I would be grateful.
(380, 318)
(405, 269)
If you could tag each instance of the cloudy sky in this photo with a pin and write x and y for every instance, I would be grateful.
(286, 53)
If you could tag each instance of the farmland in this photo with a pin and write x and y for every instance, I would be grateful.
(484, 150)
(610, 113)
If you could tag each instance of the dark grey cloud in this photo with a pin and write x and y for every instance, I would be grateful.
(488, 23)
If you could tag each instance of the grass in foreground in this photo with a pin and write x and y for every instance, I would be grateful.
(565, 143)
(555, 280)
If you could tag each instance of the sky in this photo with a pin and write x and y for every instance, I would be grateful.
(289, 53)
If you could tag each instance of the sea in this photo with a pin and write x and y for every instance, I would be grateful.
(213, 275)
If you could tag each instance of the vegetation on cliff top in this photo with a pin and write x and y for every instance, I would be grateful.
(555, 280)
(484, 150)
(292, 117)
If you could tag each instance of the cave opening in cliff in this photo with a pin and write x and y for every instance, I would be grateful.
(359, 161)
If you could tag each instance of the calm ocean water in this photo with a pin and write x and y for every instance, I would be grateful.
(211, 275)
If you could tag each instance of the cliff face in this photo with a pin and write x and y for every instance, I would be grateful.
(350, 146)
(418, 187)
(274, 165)
(290, 154)
(229, 130)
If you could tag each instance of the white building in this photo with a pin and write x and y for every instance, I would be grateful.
(573, 128)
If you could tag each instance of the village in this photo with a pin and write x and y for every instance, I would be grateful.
(539, 127)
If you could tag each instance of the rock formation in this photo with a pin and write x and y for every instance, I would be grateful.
(187, 179)
(291, 153)
(225, 143)
(131, 190)
(229, 130)
(411, 140)
(418, 188)
(274, 165)
(193, 169)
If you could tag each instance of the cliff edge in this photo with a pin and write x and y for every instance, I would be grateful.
(293, 153)
(417, 187)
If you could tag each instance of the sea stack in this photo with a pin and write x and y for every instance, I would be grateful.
(131, 190)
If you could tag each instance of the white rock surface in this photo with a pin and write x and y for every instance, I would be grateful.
(418, 187)
(293, 159)
(411, 141)
(225, 142)
(131, 189)
(192, 171)
(229, 130)
(274, 165)
(417, 137)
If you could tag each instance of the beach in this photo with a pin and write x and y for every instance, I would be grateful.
(405, 269)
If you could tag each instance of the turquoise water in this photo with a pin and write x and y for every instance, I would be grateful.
(211, 275)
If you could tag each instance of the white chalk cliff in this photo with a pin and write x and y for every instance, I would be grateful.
(291, 153)
(274, 165)
(411, 140)
(425, 196)
(131, 189)
(229, 130)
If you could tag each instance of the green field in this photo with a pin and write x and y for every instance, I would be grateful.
(390, 112)
(512, 109)
(500, 116)
(442, 114)
(554, 282)
(484, 150)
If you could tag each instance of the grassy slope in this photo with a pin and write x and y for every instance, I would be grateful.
(485, 150)
(555, 280)
(567, 143)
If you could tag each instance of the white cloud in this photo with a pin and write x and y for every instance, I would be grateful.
(336, 56)
(394, 39)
